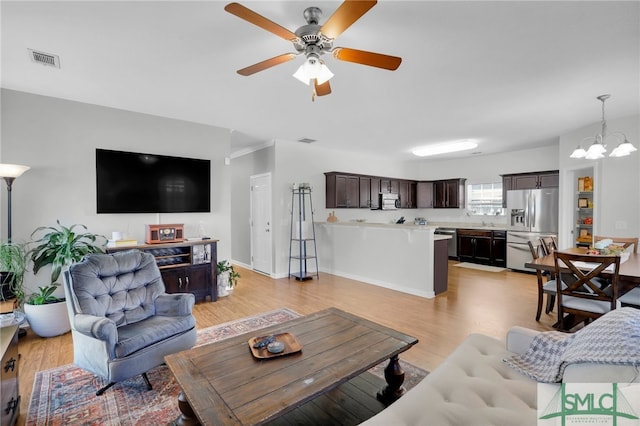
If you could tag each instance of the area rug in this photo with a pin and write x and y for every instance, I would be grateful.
(66, 395)
(479, 267)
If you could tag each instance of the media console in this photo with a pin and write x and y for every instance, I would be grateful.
(186, 267)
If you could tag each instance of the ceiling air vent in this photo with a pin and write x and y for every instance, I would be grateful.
(44, 58)
(306, 140)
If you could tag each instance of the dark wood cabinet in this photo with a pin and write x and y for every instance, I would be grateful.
(375, 192)
(187, 267)
(342, 190)
(549, 179)
(10, 396)
(407, 193)
(499, 248)
(365, 192)
(191, 279)
(350, 190)
(424, 195)
(389, 185)
(531, 180)
(369, 192)
(480, 246)
(449, 193)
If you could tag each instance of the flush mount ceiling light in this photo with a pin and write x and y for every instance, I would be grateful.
(445, 147)
(598, 148)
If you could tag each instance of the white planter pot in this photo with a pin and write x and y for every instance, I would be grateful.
(223, 284)
(48, 320)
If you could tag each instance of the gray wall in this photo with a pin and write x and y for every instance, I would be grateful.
(58, 138)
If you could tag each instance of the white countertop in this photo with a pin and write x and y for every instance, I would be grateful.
(411, 225)
(406, 225)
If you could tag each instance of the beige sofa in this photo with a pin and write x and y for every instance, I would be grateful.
(473, 386)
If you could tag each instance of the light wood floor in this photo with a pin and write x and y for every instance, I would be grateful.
(476, 302)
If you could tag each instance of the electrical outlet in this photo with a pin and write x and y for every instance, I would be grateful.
(621, 224)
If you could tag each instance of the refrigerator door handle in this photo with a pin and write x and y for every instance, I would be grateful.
(533, 210)
(526, 211)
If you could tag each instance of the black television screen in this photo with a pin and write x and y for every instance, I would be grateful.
(131, 182)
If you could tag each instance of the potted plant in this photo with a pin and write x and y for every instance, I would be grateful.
(227, 278)
(57, 247)
(12, 269)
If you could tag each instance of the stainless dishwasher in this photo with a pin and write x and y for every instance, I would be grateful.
(453, 242)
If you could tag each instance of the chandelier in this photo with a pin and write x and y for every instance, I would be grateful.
(598, 148)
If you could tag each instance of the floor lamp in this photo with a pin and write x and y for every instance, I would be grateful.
(9, 172)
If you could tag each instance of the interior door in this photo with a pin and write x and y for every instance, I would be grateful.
(261, 240)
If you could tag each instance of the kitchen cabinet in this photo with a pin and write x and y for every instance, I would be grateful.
(342, 190)
(187, 267)
(407, 192)
(531, 180)
(499, 248)
(449, 193)
(474, 246)
(369, 192)
(374, 193)
(482, 246)
(424, 195)
(365, 192)
(389, 185)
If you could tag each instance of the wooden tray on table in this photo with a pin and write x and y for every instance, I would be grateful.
(291, 345)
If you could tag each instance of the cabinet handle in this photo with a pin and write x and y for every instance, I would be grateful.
(11, 405)
(10, 365)
(187, 280)
(179, 282)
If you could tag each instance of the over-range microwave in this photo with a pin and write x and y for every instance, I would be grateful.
(389, 201)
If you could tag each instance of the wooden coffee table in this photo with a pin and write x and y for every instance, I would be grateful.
(223, 383)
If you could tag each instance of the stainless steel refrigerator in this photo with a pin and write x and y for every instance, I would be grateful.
(532, 213)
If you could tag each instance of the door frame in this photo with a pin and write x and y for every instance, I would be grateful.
(253, 232)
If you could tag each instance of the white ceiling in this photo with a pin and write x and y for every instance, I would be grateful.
(512, 74)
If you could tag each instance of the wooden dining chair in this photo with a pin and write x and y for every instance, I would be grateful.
(548, 245)
(626, 242)
(578, 286)
(548, 287)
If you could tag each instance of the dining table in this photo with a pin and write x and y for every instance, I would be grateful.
(628, 275)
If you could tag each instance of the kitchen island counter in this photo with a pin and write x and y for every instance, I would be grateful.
(397, 256)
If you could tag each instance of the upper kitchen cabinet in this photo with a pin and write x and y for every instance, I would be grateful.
(449, 194)
(535, 180)
(424, 195)
(369, 190)
(389, 185)
(532, 180)
(407, 192)
(342, 190)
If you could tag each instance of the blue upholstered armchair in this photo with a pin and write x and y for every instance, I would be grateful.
(122, 321)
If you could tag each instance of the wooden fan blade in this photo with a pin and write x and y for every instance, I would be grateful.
(367, 58)
(250, 16)
(348, 13)
(261, 66)
(322, 89)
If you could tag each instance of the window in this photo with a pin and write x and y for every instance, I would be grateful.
(485, 199)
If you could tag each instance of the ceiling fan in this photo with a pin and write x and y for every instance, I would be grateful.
(314, 40)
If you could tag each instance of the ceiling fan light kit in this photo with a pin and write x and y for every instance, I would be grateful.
(314, 40)
(598, 148)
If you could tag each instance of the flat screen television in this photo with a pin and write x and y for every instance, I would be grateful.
(132, 182)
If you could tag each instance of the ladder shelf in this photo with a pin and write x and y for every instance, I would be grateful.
(302, 245)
